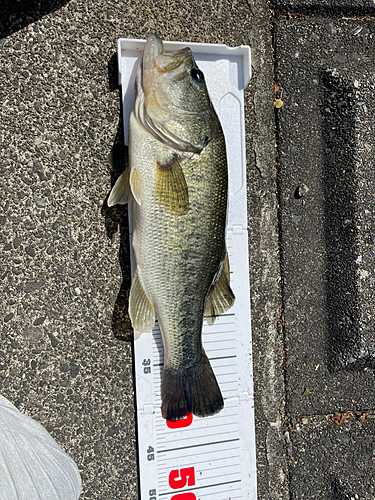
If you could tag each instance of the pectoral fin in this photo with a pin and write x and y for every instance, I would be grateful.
(141, 310)
(171, 187)
(120, 193)
(221, 297)
(135, 185)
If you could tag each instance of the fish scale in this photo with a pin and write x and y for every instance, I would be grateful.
(189, 276)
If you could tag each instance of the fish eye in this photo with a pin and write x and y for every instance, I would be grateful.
(197, 75)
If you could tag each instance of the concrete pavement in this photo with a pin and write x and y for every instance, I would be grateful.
(65, 357)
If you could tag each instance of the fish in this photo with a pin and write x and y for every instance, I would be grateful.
(177, 182)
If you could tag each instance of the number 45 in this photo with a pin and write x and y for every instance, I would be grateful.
(150, 454)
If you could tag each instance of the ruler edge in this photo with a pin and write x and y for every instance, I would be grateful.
(244, 52)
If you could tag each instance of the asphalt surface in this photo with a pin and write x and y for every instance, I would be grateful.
(65, 354)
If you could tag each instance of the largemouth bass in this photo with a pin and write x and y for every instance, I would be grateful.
(177, 181)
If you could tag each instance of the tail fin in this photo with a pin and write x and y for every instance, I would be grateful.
(190, 390)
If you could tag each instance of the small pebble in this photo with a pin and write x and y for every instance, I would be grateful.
(53, 339)
(8, 317)
(342, 104)
(74, 369)
(33, 333)
(28, 224)
(301, 191)
(39, 202)
(331, 29)
(64, 367)
(17, 242)
(60, 398)
(39, 321)
(30, 251)
(77, 291)
(344, 438)
(31, 286)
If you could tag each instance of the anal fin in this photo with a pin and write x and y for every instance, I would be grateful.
(141, 311)
(221, 297)
(171, 187)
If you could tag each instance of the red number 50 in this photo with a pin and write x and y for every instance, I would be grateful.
(180, 478)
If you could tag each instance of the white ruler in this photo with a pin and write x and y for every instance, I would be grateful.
(209, 458)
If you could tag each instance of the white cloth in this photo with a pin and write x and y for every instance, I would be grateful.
(32, 464)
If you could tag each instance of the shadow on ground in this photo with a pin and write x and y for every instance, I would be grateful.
(116, 220)
(15, 15)
(340, 228)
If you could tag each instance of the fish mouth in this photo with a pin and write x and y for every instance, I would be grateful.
(153, 48)
(171, 65)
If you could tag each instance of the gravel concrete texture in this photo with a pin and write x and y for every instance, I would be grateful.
(332, 462)
(324, 69)
(64, 358)
(324, 74)
(328, 8)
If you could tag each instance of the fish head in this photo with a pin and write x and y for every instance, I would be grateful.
(174, 104)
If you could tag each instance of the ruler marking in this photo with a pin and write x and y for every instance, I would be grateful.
(224, 349)
(230, 411)
(213, 434)
(223, 332)
(221, 316)
(222, 466)
(198, 445)
(204, 428)
(223, 357)
(201, 424)
(220, 493)
(201, 487)
(211, 359)
(167, 467)
(222, 341)
(222, 324)
(221, 474)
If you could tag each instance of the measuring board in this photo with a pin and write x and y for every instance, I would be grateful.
(210, 458)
